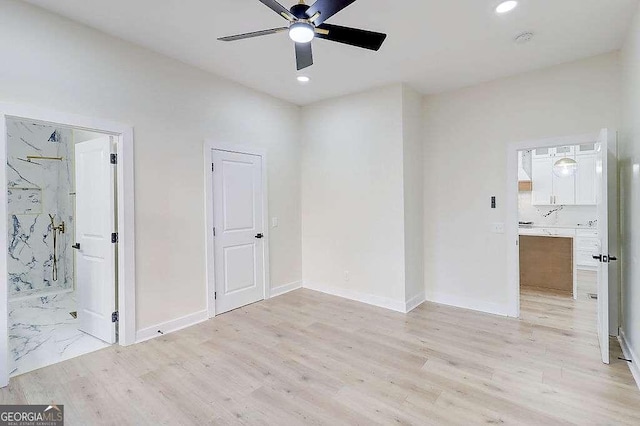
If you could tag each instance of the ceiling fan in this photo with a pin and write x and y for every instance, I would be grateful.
(307, 22)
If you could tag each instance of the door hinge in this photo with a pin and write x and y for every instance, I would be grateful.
(114, 237)
(213, 167)
(214, 231)
(115, 317)
(114, 159)
(215, 295)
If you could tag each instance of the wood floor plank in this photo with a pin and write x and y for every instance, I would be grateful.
(310, 358)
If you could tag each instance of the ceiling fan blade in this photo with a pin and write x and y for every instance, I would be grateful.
(254, 34)
(327, 8)
(304, 55)
(352, 36)
(279, 9)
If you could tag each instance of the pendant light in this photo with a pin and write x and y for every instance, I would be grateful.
(565, 167)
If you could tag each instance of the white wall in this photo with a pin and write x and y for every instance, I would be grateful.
(629, 154)
(352, 196)
(466, 134)
(54, 63)
(413, 195)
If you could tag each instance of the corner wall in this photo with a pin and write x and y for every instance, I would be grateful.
(55, 63)
(352, 197)
(466, 133)
(413, 196)
(362, 197)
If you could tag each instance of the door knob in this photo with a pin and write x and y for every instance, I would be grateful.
(598, 257)
(612, 258)
(259, 236)
(76, 246)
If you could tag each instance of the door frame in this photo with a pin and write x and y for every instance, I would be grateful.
(511, 225)
(209, 147)
(125, 215)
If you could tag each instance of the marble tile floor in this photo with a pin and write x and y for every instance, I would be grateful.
(43, 332)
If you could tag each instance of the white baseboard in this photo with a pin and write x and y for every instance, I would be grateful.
(628, 352)
(382, 302)
(286, 288)
(466, 303)
(171, 326)
(414, 302)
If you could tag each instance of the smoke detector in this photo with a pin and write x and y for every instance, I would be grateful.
(523, 38)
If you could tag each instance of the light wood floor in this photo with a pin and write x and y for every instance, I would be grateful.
(309, 358)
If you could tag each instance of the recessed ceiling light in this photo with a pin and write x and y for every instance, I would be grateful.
(506, 6)
(303, 79)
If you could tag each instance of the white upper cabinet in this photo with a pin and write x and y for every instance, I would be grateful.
(543, 152)
(564, 188)
(542, 181)
(549, 189)
(586, 149)
(586, 180)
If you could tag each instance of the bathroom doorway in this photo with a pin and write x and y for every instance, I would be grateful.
(69, 287)
(51, 311)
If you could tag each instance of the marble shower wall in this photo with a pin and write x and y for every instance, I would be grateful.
(35, 190)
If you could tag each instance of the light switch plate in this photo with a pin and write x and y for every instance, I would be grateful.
(497, 228)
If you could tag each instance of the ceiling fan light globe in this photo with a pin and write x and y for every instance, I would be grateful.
(301, 32)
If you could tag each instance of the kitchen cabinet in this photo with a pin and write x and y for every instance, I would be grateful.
(586, 180)
(547, 263)
(542, 181)
(587, 244)
(545, 245)
(564, 188)
(556, 152)
(549, 189)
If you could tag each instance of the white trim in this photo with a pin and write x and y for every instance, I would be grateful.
(126, 231)
(511, 202)
(285, 288)
(208, 147)
(171, 326)
(370, 299)
(628, 352)
(415, 301)
(471, 304)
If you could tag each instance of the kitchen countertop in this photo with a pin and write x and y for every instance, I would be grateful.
(558, 227)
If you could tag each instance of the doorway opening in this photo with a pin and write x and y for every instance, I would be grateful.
(49, 276)
(562, 218)
(67, 227)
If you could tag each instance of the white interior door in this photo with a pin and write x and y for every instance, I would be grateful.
(238, 223)
(606, 199)
(95, 221)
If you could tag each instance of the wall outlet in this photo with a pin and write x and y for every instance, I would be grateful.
(497, 228)
(346, 275)
(274, 222)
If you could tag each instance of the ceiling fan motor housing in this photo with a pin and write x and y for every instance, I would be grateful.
(300, 11)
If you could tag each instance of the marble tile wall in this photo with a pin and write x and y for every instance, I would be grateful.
(569, 216)
(35, 190)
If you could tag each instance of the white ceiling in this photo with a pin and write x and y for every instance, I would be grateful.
(434, 45)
